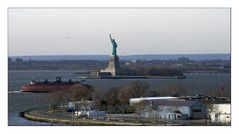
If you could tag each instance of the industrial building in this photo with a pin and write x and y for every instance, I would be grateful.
(176, 109)
(133, 101)
(81, 105)
(85, 109)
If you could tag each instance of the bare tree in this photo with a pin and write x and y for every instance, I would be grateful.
(174, 90)
(138, 89)
(99, 96)
(111, 96)
(139, 107)
(76, 93)
(123, 95)
(79, 92)
(55, 99)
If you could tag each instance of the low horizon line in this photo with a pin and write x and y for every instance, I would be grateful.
(118, 55)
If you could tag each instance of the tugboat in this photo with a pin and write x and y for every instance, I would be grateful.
(46, 86)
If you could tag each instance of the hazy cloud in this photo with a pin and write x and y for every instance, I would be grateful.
(137, 31)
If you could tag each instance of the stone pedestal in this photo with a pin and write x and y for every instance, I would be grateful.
(113, 66)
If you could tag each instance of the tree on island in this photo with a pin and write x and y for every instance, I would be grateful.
(55, 99)
(174, 90)
(121, 95)
(80, 92)
(76, 93)
(138, 89)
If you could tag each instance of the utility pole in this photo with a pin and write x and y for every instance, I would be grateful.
(97, 113)
(72, 118)
(222, 91)
(110, 113)
(123, 112)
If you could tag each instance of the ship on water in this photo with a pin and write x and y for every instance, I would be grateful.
(47, 86)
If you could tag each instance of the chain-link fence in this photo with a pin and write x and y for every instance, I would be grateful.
(129, 114)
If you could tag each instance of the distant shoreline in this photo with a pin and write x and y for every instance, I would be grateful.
(197, 57)
(189, 72)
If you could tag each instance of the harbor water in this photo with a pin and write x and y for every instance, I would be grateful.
(195, 83)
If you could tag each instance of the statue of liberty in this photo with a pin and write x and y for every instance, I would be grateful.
(114, 44)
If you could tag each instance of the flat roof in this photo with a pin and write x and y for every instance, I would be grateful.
(172, 102)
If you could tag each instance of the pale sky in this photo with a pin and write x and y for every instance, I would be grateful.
(137, 31)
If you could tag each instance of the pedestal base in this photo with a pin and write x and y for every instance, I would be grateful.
(113, 67)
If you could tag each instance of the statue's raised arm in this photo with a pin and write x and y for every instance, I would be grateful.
(110, 37)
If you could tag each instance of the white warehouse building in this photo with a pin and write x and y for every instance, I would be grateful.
(133, 101)
(174, 109)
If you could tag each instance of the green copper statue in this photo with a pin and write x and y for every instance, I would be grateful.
(114, 44)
